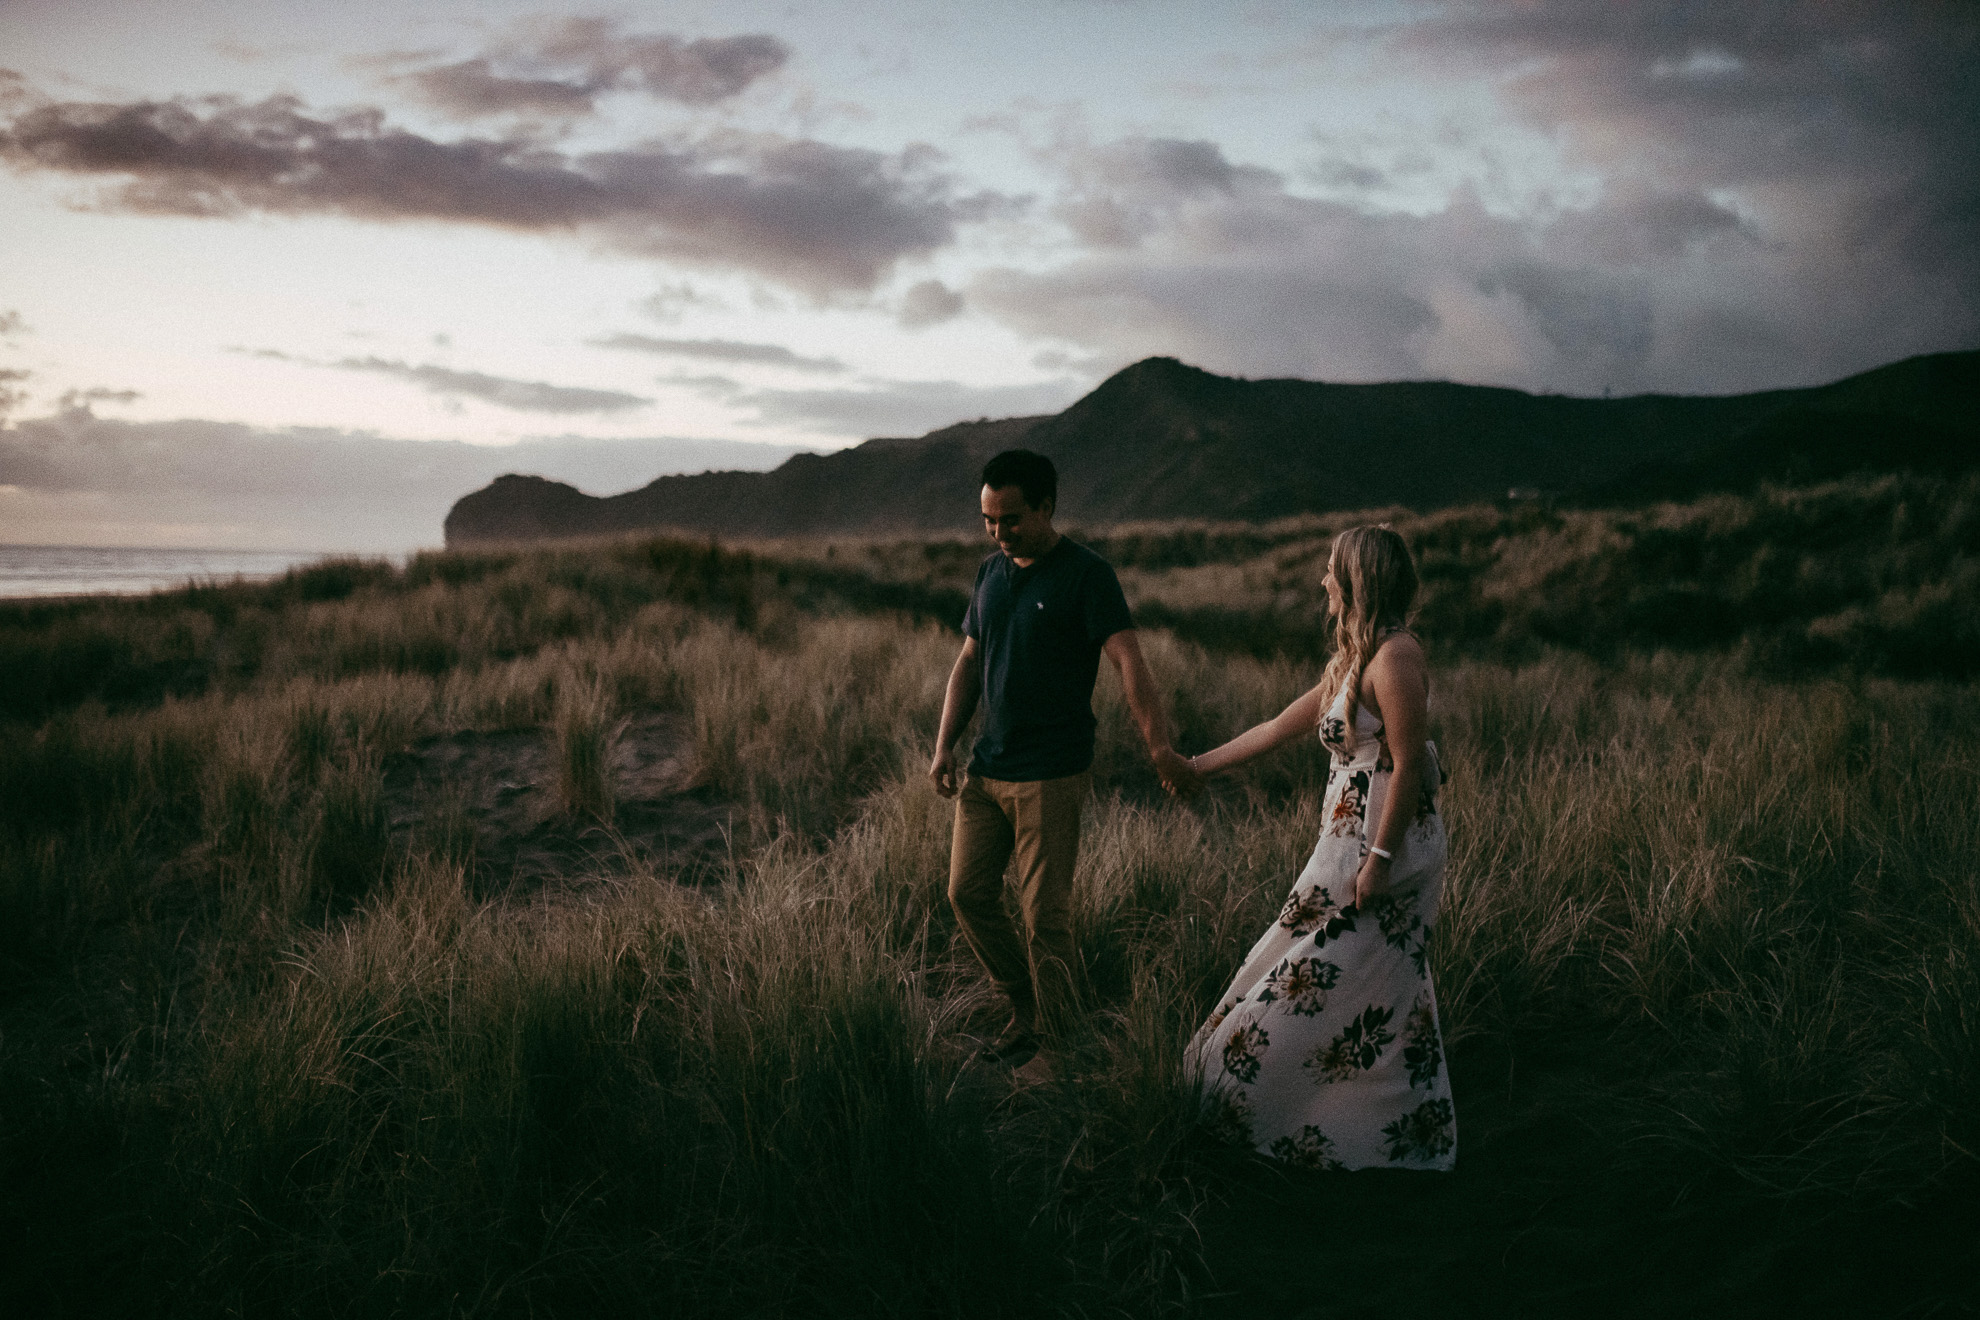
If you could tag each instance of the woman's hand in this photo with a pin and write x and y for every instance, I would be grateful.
(1401, 698)
(1372, 880)
(1179, 776)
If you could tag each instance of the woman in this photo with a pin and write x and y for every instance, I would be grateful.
(1325, 1051)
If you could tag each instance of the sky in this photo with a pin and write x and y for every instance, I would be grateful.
(285, 275)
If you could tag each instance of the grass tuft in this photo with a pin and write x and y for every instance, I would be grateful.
(584, 736)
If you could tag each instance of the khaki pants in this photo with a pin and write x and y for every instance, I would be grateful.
(1038, 822)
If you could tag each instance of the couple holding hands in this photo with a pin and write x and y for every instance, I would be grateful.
(1325, 1050)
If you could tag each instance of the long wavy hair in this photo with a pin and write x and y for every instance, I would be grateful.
(1377, 580)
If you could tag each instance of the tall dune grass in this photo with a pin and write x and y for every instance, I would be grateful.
(1714, 938)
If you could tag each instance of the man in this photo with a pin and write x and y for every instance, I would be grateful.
(1043, 611)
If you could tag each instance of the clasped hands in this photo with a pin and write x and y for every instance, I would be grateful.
(1179, 777)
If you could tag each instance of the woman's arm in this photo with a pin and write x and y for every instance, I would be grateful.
(1399, 684)
(1303, 716)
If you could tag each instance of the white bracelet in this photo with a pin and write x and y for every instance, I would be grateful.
(1382, 853)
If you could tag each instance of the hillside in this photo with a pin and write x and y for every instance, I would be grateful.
(1163, 440)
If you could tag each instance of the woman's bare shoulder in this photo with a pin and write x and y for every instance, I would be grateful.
(1396, 670)
(1400, 651)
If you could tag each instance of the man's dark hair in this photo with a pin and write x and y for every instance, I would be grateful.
(1033, 474)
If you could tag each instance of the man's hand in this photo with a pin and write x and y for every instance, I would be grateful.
(1179, 777)
(942, 772)
(958, 704)
(1124, 649)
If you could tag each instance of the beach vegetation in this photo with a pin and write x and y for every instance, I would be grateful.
(280, 1038)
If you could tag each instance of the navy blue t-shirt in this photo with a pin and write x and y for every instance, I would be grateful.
(1039, 633)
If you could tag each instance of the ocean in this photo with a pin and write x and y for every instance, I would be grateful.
(50, 570)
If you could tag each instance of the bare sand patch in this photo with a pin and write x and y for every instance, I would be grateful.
(490, 799)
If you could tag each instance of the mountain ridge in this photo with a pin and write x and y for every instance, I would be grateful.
(1162, 440)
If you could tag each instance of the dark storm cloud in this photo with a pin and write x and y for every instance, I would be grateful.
(1781, 196)
(815, 216)
(560, 69)
(904, 407)
(1736, 93)
(1849, 133)
(721, 350)
(299, 487)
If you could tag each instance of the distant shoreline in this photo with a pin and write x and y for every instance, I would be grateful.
(70, 572)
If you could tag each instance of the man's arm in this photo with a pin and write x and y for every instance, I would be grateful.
(958, 704)
(1124, 649)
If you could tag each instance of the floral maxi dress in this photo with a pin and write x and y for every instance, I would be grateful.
(1325, 1050)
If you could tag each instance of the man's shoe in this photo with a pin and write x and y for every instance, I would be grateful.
(1013, 1045)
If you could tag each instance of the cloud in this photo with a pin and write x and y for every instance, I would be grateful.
(521, 395)
(1053, 359)
(470, 88)
(560, 68)
(708, 386)
(721, 350)
(1187, 254)
(1844, 138)
(1584, 314)
(83, 398)
(1340, 172)
(78, 476)
(905, 407)
(666, 303)
(930, 303)
(242, 52)
(816, 217)
(1768, 205)
(696, 72)
(12, 324)
(1121, 193)
(12, 395)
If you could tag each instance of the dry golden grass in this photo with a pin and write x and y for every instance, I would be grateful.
(1709, 937)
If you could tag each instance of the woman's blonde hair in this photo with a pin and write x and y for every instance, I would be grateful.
(1377, 580)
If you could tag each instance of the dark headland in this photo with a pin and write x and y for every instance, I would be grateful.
(1164, 440)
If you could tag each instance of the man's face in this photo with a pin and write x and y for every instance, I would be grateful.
(1019, 530)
